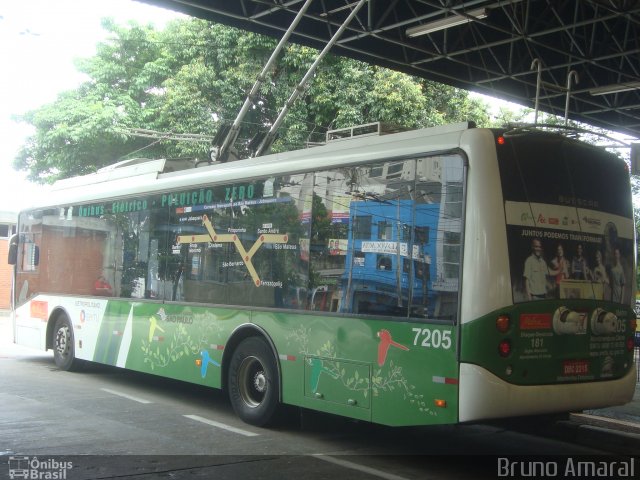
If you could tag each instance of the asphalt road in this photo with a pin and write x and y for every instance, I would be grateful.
(112, 423)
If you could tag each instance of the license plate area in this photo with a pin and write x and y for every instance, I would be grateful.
(575, 367)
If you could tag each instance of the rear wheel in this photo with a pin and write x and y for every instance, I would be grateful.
(254, 382)
(63, 345)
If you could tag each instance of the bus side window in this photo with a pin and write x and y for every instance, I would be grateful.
(328, 244)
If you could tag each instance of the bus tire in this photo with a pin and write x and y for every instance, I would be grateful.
(254, 382)
(63, 343)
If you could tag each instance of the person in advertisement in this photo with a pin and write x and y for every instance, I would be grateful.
(617, 277)
(535, 272)
(560, 266)
(579, 267)
(599, 273)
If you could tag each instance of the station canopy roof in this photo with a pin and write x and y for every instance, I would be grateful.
(489, 47)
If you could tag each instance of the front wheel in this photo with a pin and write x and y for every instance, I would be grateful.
(254, 382)
(63, 345)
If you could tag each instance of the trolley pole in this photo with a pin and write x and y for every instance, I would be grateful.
(235, 127)
(269, 138)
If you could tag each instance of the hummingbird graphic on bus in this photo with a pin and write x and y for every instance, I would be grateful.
(206, 360)
(318, 368)
(153, 324)
(385, 343)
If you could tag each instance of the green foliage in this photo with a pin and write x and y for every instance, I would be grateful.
(506, 116)
(194, 75)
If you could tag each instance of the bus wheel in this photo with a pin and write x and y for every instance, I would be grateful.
(254, 382)
(63, 345)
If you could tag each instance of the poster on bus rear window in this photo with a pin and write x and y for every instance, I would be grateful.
(565, 262)
(569, 221)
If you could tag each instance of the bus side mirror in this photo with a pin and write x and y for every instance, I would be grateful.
(13, 250)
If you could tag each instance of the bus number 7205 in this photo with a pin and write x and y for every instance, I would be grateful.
(432, 338)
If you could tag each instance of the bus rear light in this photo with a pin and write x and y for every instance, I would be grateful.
(509, 370)
(630, 344)
(504, 348)
(500, 140)
(503, 322)
(440, 403)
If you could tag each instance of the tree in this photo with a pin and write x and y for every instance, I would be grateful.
(191, 77)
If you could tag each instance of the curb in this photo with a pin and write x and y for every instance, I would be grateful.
(606, 422)
(602, 433)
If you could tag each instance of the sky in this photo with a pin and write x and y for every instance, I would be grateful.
(39, 40)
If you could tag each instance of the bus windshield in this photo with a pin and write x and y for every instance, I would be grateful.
(568, 237)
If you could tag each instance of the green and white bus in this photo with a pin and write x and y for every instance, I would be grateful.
(443, 275)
